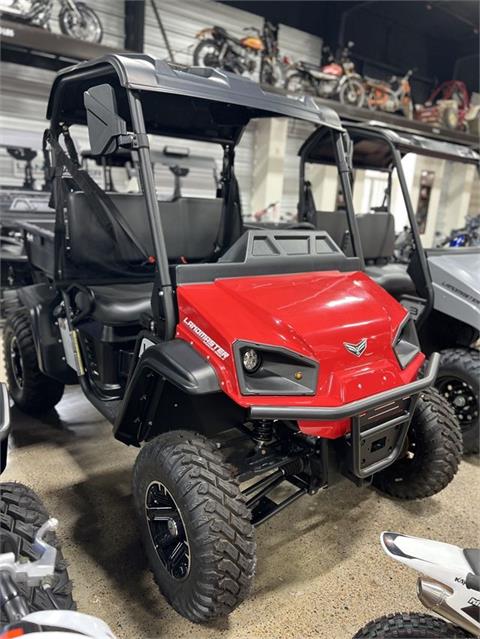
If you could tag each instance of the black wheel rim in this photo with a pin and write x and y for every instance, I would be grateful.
(167, 531)
(16, 362)
(462, 398)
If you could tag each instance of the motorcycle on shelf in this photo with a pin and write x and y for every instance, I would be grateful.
(76, 19)
(336, 79)
(448, 106)
(218, 48)
(392, 96)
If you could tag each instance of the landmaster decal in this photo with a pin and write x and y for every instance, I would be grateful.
(208, 341)
(458, 291)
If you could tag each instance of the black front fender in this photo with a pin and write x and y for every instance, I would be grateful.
(167, 367)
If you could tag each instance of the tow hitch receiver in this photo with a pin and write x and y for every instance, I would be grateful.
(378, 435)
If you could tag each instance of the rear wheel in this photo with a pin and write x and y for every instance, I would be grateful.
(299, 83)
(459, 382)
(450, 118)
(32, 391)
(206, 54)
(433, 452)
(195, 525)
(21, 515)
(412, 625)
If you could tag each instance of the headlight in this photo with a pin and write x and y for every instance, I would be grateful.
(270, 370)
(251, 360)
(406, 344)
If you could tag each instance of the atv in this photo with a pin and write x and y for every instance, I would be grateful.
(240, 360)
(440, 287)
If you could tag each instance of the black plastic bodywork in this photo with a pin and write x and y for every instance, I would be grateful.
(178, 384)
(40, 300)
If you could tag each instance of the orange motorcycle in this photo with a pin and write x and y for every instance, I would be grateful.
(217, 48)
(393, 96)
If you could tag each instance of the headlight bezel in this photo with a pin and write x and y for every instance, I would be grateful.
(406, 344)
(278, 371)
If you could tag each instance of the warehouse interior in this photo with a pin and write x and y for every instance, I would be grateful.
(240, 319)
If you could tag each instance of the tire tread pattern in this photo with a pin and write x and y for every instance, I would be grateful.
(441, 444)
(21, 515)
(221, 524)
(409, 625)
(467, 362)
(40, 393)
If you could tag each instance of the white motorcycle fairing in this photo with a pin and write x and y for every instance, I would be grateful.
(444, 568)
(67, 624)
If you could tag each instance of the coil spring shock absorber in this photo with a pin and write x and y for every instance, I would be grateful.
(263, 433)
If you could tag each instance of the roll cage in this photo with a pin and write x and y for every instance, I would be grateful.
(382, 149)
(123, 98)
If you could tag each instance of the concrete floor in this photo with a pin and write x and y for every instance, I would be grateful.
(321, 572)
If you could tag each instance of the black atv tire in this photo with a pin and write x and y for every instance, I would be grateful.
(33, 392)
(21, 515)
(411, 625)
(433, 452)
(209, 520)
(460, 370)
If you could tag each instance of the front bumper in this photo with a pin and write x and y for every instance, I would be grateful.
(379, 423)
(331, 413)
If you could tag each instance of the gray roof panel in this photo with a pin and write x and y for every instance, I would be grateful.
(184, 89)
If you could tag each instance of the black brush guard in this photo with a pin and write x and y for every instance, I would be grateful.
(379, 423)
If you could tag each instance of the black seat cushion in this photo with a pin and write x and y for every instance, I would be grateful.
(377, 235)
(117, 304)
(393, 278)
(190, 227)
(335, 224)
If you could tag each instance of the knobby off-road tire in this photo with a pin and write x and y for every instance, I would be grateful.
(411, 625)
(183, 474)
(21, 515)
(458, 381)
(33, 392)
(434, 451)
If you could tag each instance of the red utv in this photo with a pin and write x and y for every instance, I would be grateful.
(238, 359)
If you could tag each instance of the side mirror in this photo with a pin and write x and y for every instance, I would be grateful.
(105, 127)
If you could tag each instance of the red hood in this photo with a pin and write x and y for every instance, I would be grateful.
(310, 313)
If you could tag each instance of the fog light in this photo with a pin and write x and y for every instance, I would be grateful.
(251, 360)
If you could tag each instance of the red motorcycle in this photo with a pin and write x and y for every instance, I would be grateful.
(333, 80)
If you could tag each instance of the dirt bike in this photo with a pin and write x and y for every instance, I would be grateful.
(392, 96)
(76, 19)
(217, 48)
(333, 80)
(449, 586)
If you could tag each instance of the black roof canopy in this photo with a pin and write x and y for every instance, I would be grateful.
(372, 147)
(190, 102)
